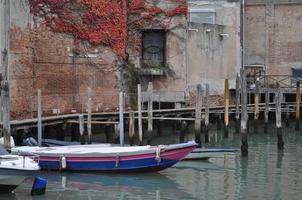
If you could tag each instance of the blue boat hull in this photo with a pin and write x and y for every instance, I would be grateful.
(143, 165)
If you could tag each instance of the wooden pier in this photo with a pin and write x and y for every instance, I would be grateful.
(199, 115)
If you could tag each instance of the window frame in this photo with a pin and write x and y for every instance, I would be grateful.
(164, 35)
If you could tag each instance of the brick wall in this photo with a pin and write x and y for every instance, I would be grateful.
(273, 36)
(44, 60)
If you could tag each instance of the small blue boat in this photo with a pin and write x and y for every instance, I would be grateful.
(206, 153)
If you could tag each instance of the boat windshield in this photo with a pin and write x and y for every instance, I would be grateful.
(3, 151)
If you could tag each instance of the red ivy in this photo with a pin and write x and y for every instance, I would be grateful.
(100, 22)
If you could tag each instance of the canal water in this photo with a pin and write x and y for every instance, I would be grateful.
(265, 174)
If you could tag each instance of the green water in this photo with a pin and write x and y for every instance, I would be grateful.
(265, 174)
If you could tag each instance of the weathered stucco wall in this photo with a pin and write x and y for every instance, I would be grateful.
(273, 35)
(175, 47)
(213, 50)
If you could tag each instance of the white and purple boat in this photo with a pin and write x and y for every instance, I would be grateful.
(107, 158)
(14, 169)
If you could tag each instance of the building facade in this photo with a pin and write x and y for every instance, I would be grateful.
(64, 48)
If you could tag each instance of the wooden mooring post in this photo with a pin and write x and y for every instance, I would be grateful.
(183, 130)
(81, 129)
(198, 115)
(207, 114)
(244, 114)
(287, 117)
(5, 97)
(266, 109)
(226, 107)
(237, 125)
(39, 118)
(218, 121)
(89, 111)
(150, 111)
(131, 127)
(139, 108)
(116, 133)
(121, 117)
(298, 100)
(256, 111)
(278, 100)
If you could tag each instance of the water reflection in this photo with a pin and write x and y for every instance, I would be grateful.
(265, 174)
(112, 186)
(280, 155)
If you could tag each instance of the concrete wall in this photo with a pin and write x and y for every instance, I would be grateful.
(213, 50)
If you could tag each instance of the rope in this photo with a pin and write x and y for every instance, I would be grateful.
(117, 160)
(158, 150)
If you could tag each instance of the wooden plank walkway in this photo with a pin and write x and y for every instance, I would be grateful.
(163, 114)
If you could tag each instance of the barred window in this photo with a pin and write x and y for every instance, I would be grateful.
(153, 48)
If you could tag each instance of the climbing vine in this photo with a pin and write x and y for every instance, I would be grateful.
(102, 22)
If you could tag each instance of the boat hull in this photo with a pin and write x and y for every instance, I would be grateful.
(133, 163)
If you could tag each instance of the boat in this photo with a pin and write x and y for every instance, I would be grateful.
(14, 169)
(107, 158)
(54, 143)
(206, 153)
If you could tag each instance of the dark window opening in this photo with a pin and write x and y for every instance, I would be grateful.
(297, 73)
(153, 48)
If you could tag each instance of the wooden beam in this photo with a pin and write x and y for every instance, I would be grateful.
(92, 122)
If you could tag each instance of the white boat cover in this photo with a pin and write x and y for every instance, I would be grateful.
(79, 149)
(95, 149)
